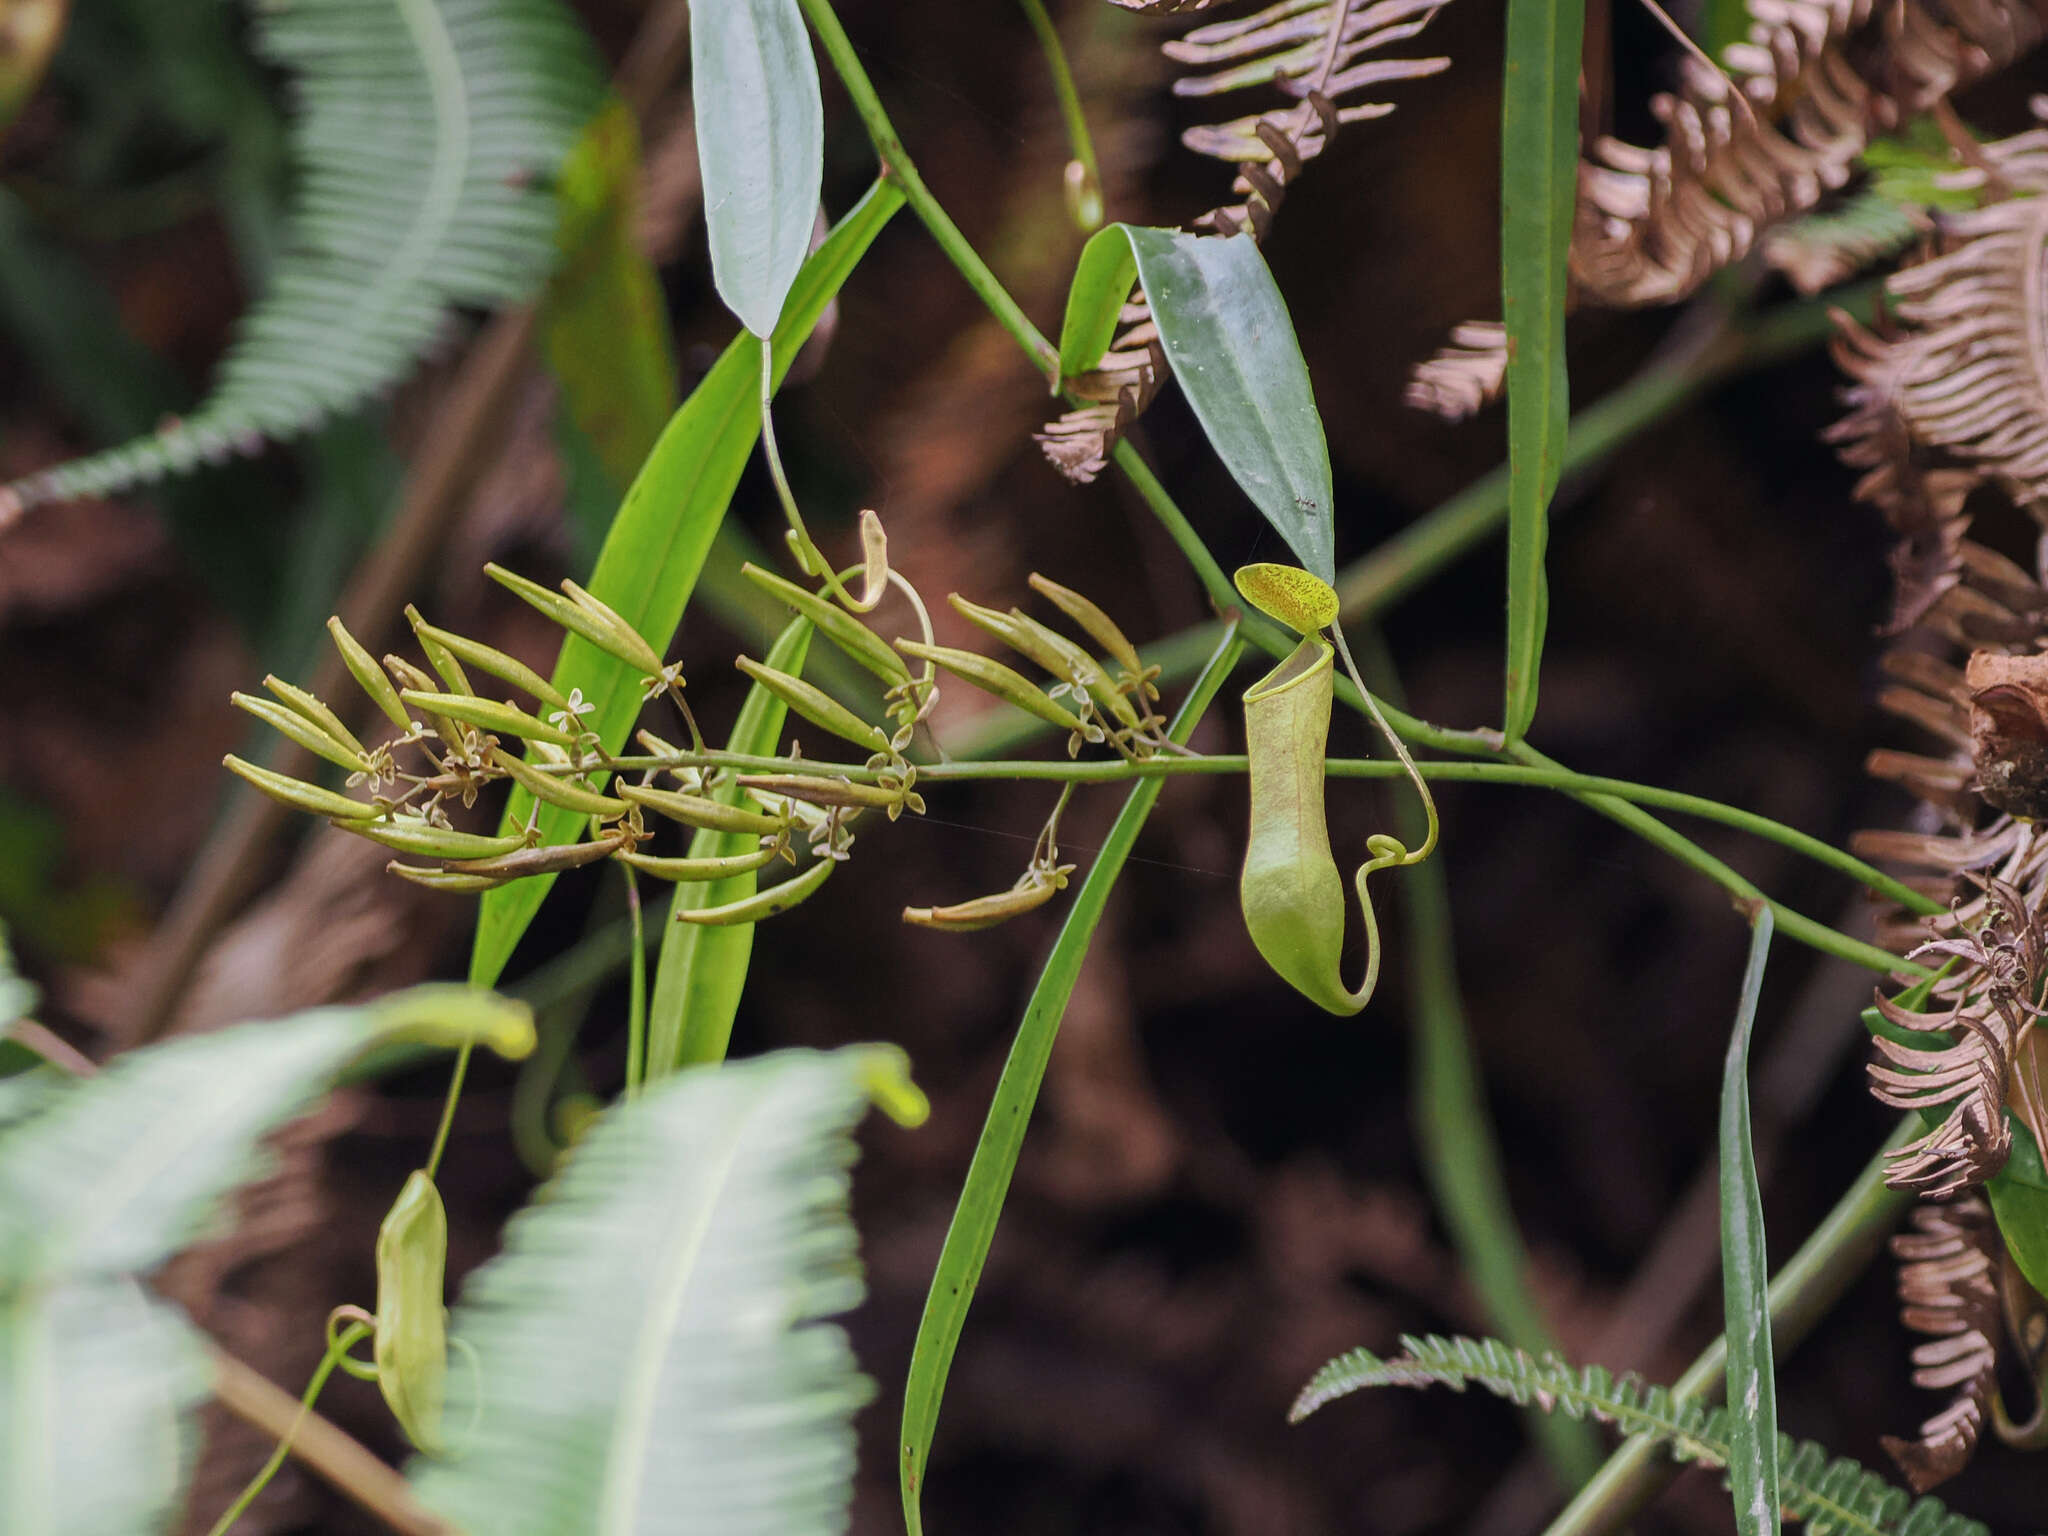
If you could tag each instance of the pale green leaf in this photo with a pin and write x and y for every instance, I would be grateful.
(651, 1346)
(761, 146)
(1746, 1272)
(1225, 330)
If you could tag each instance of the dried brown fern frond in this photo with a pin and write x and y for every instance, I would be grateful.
(1814, 82)
(2000, 960)
(1831, 246)
(1317, 55)
(1463, 376)
(1948, 1290)
(1765, 141)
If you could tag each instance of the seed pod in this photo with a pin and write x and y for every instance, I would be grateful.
(315, 711)
(836, 791)
(414, 681)
(442, 880)
(368, 675)
(874, 563)
(300, 796)
(716, 868)
(584, 616)
(1064, 659)
(992, 676)
(1300, 599)
(1093, 622)
(1292, 895)
(751, 909)
(835, 624)
(295, 726)
(489, 715)
(1027, 895)
(438, 655)
(696, 811)
(411, 1348)
(420, 837)
(633, 645)
(555, 789)
(551, 859)
(486, 658)
(816, 706)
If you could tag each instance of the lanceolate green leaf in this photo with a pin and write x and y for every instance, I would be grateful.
(1225, 330)
(1746, 1272)
(651, 1350)
(1102, 282)
(703, 969)
(761, 144)
(1539, 171)
(657, 543)
(995, 1155)
(425, 146)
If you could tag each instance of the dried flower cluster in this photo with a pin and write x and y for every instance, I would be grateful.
(797, 811)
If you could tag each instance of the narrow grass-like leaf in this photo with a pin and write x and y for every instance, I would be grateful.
(658, 542)
(761, 146)
(1002, 1136)
(1746, 1272)
(1539, 182)
(703, 969)
(1102, 282)
(651, 1346)
(1225, 330)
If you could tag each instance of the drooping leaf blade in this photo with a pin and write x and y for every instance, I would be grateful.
(1539, 184)
(117, 1172)
(761, 146)
(1102, 282)
(1746, 1271)
(1225, 330)
(424, 148)
(658, 542)
(703, 969)
(651, 1346)
(1002, 1136)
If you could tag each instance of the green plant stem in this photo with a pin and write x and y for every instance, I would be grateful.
(1063, 90)
(343, 1343)
(636, 997)
(1848, 1237)
(1541, 773)
(455, 1077)
(1454, 1126)
(897, 166)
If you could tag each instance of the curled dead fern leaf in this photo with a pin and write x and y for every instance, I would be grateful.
(1318, 55)
(2000, 964)
(1833, 1494)
(1948, 1291)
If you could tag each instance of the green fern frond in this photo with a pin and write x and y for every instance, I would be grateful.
(424, 147)
(1832, 1493)
(650, 1346)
